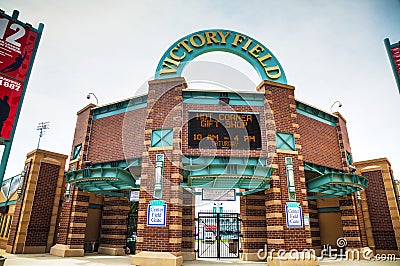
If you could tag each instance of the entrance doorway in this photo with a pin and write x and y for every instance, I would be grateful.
(218, 235)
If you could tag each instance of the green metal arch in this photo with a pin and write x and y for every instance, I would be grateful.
(175, 67)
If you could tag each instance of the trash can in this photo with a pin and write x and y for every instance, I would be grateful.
(131, 244)
(233, 245)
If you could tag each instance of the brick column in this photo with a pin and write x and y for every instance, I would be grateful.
(164, 111)
(35, 217)
(73, 217)
(314, 224)
(275, 216)
(281, 100)
(114, 224)
(253, 228)
(71, 231)
(381, 210)
(351, 230)
(352, 221)
(188, 226)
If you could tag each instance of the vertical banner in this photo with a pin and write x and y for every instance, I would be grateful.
(17, 45)
(393, 51)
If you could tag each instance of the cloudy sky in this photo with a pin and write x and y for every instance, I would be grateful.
(329, 50)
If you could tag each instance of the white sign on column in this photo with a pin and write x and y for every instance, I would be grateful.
(294, 217)
(156, 215)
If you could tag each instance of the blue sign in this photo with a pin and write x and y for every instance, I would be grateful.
(156, 215)
(294, 216)
(189, 47)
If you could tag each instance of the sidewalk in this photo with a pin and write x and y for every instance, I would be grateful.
(103, 260)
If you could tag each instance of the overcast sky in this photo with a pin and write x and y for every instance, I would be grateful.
(329, 50)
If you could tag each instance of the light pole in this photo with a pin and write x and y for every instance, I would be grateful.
(91, 93)
(340, 105)
(42, 127)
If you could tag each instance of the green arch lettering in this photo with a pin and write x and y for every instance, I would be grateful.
(189, 47)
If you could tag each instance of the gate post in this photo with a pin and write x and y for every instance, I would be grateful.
(254, 228)
(188, 226)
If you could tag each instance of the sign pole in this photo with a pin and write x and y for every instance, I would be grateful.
(8, 143)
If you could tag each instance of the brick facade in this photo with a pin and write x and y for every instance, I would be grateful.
(125, 135)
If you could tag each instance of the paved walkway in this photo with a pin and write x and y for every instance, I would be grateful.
(102, 260)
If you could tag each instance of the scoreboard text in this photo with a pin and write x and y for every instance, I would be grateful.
(224, 130)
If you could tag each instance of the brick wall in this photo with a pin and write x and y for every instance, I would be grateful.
(117, 137)
(39, 225)
(319, 142)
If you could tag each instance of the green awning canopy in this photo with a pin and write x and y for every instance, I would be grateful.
(102, 180)
(247, 174)
(333, 185)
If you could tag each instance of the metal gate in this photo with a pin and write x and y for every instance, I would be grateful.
(218, 235)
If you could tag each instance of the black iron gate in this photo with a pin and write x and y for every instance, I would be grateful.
(218, 235)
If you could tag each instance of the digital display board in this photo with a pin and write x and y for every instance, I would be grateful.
(224, 130)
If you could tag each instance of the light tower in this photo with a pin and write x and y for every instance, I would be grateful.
(42, 127)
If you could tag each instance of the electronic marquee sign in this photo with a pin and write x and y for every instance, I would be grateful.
(224, 130)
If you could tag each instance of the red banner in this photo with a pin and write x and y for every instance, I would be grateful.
(17, 43)
(396, 58)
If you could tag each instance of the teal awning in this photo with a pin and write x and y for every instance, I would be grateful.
(248, 174)
(336, 185)
(102, 180)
